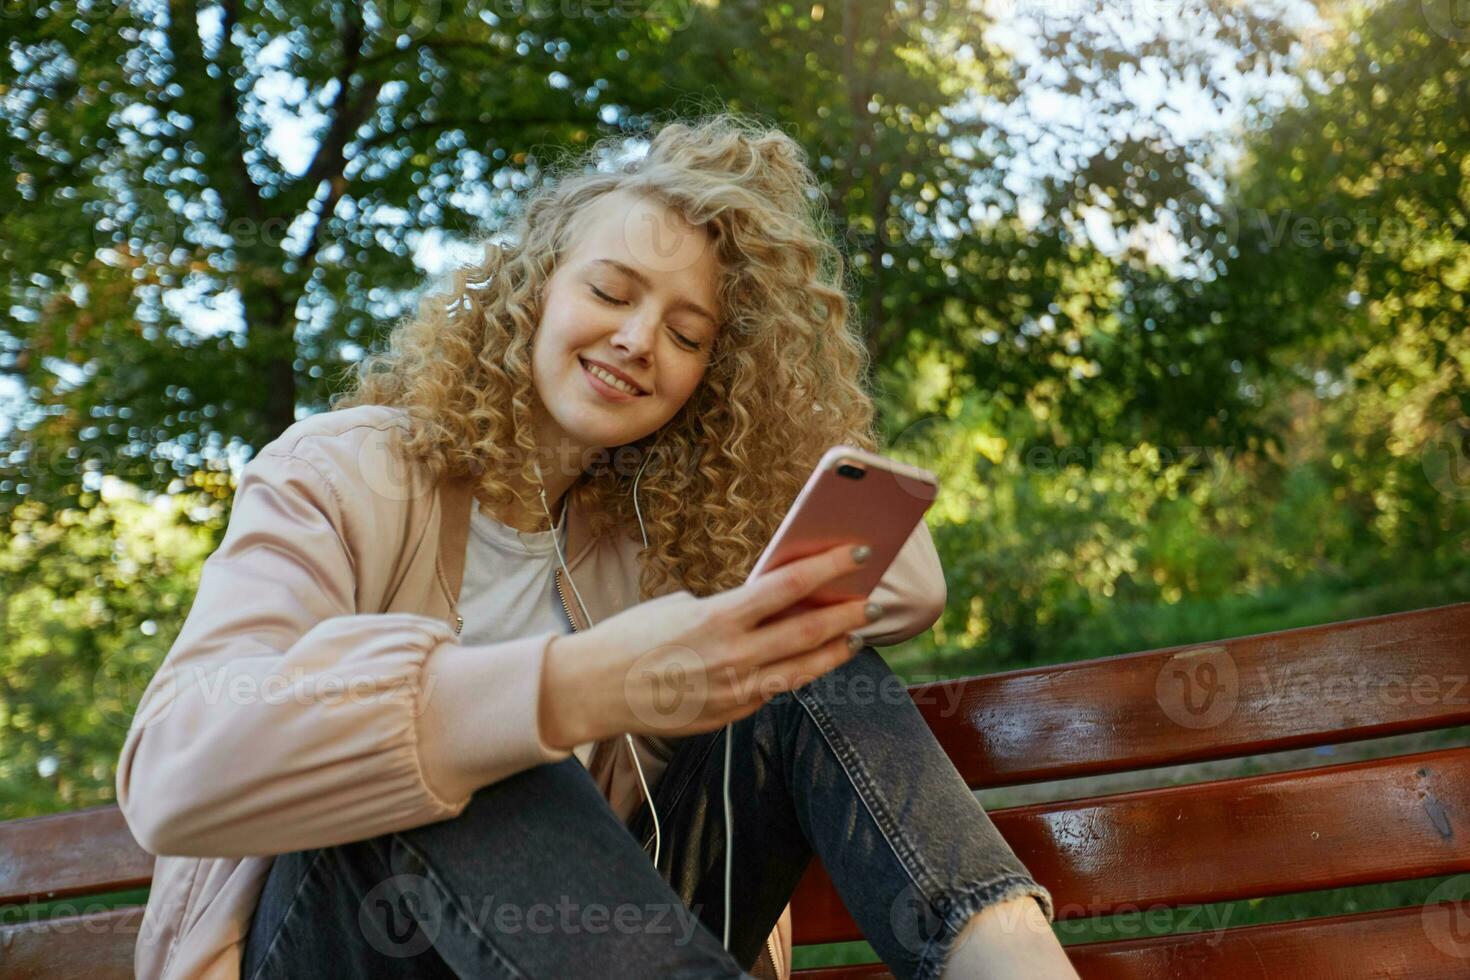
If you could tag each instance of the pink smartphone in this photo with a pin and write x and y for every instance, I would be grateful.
(852, 496)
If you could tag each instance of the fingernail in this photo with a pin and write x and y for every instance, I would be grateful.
(854, 642)
(872, 610)
(860, 553)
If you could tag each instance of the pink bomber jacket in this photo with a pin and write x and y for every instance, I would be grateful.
(318, 694)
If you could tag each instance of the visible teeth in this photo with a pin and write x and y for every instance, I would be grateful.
(612, 379)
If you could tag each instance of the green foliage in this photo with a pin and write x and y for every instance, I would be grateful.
(91, 599)
(1325, 314)
(139, 136)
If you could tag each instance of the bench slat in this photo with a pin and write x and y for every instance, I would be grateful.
(1343, 682)
(65, 854)
(1381, 820)
(1415, 943)
(98, 946)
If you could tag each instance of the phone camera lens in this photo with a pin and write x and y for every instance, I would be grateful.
(850, 471)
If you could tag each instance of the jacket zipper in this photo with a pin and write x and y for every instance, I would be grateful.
(556, 580)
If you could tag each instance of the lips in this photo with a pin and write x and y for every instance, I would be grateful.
(588, 364)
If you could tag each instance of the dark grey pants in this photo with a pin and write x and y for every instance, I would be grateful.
(537, 877)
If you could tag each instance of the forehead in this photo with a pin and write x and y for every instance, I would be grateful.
(654, 239)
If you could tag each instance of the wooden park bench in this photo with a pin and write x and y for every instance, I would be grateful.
(1389, 819)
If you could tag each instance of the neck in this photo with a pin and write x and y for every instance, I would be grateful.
(531, 519)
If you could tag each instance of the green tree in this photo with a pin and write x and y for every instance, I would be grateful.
(146, 170)
(90, 599)
(1354, 216)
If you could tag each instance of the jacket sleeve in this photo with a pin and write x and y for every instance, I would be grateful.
(282, 719)
(912, 592)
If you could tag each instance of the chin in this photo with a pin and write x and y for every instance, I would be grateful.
(598, 433)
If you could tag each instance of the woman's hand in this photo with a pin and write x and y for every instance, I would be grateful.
(680, 664)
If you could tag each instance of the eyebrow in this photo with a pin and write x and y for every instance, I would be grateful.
(641, 279)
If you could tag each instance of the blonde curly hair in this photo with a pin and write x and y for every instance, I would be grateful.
(786, 380)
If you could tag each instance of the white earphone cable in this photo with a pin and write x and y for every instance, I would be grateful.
(628, 738)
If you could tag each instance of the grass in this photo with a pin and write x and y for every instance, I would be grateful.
(40, 911)
(1132, 627)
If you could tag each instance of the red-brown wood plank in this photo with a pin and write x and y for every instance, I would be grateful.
(1415, 943)
(98, 946)
(1381, 820)
(1341, 682)
(1049, 722)
(65, 854)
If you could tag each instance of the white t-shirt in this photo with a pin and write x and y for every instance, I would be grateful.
(509, 589)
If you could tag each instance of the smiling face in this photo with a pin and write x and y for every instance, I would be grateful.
(627, 325)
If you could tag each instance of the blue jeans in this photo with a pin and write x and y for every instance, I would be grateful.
(538, 877)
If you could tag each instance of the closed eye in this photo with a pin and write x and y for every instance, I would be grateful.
(692, 345)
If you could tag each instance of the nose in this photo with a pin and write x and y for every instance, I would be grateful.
(635, 335)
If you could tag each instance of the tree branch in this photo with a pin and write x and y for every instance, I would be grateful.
(347, 112)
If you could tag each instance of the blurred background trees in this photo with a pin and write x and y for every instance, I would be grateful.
(1172, 295)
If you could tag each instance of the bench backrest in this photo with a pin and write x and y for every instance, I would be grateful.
(1379, 820)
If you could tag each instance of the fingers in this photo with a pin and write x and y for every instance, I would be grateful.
(807, 631)
(770, 592)
(793, 672)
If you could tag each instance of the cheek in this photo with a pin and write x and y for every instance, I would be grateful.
(687, 384)
(576, 330)
(556, 336)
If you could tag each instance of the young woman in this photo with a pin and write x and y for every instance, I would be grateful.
(465, 627)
